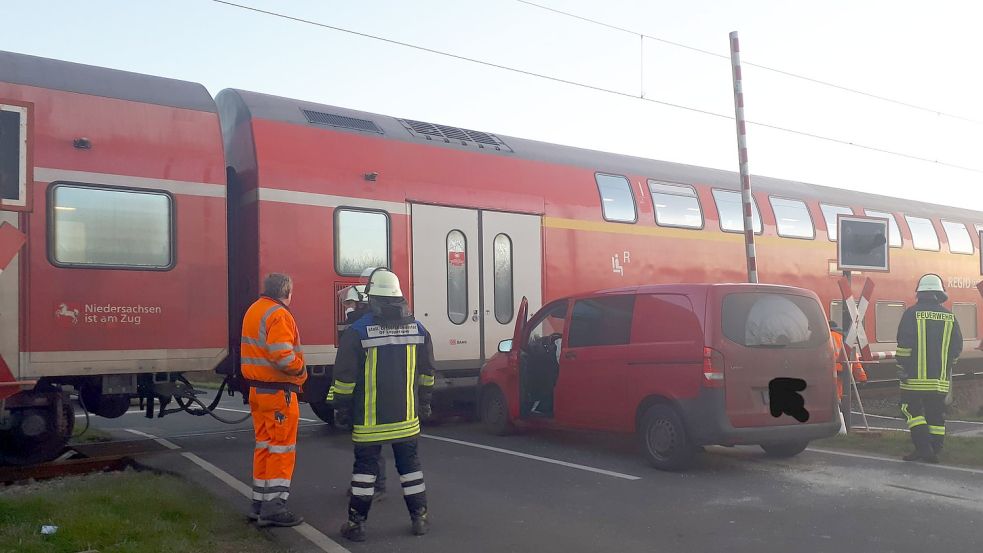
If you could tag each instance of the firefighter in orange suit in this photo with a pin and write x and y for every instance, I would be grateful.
(273, 366)
(839, 350)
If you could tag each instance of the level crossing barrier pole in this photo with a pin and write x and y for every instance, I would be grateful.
(735, 61)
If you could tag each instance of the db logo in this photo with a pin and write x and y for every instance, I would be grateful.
(455, 341)
(67, 314)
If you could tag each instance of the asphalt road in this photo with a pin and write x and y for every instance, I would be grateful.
(556, 491)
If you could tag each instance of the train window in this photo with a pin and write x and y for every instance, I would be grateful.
(730, 210)
(958, 236)
(894, 235)
(361, 241)
(617, 201)
(13, 155)
(676, 205)
(109, 227)
(966, 317)
(922, 233)
(887, 317)
(457, 277)
(829, 215)
(793, 218)
(504, 301)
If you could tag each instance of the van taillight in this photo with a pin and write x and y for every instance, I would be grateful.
(713, 368)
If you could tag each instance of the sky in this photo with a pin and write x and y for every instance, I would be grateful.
(920, 53)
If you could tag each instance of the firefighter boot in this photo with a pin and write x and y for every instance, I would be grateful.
(354, 528)
(421, 522)
(275, 513)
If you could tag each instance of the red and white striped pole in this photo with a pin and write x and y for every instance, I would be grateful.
(735, 60)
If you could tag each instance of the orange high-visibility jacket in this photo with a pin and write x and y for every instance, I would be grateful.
(270, 346)
(859, 374)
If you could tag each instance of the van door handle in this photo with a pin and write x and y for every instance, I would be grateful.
(570, 355)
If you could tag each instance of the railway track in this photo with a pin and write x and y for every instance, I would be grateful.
(71, 463)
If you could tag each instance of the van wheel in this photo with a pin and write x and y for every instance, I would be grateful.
(495, 412)
(785, 449)
(663, 439)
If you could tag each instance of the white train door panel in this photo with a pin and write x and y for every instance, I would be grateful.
(512, 268)
(446, 282)
(470, 271)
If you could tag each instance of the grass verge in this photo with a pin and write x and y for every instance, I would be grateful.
(122, 512)
(958, 450)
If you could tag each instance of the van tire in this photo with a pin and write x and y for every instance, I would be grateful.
(495, 412)
(785, 449)
(663, 439)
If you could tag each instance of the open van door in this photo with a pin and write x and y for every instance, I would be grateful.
(520, 323)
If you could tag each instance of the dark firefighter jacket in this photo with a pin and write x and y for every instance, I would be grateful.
(378, 373)
(929, 342)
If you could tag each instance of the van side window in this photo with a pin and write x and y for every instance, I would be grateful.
(757, 319)
(665, 318)
(676, 205)
(966, 317)
(887, 317)
(959, 240)
(894, 235)
(617, 201)
(603, 321)
(829, 214)
(793, 218)
(551, 320)
(922, 233)
(730, 210)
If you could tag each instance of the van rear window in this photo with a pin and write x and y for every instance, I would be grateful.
(756, 319)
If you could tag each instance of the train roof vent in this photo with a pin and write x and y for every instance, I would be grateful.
(342, 121)
(449, 135)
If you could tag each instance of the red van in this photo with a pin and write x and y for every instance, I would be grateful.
(681, 366)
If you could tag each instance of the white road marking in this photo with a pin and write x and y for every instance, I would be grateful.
(901, 419)
(247, 411)
(890, 460)
(533, 457)
(324, 543)
(166, 443)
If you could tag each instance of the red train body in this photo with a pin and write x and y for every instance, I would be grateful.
(470, 221)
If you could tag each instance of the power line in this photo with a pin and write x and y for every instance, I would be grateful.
(590, 86)
(759, 66)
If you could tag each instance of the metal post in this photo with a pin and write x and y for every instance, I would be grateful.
(847, 406)
(735, 60)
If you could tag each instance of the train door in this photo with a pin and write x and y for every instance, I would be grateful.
(471, 269)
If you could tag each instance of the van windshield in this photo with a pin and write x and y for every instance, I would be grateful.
(756, 319)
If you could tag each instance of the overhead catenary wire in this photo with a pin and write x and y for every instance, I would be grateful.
(595, 88)
(784, 72)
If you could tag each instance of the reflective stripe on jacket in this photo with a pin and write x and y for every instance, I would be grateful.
(929, 342)
(378, 373)
(270, 346)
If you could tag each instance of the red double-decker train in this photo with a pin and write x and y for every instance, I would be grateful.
(140, 214)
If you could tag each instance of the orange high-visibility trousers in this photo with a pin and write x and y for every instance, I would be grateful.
(276, 414)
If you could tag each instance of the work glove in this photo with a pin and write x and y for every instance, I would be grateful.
(902, 374)
(425, 410)
(343, 418)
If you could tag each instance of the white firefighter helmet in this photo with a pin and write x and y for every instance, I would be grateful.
(383, 283)
(355, 293)
(930, 283)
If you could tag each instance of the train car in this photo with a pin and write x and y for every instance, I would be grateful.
(115, 183)
(473, 221)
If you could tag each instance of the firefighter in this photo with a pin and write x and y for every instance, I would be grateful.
(929, 343)
(840, 354)
(273, 367)
(356, 306)
(383, 383)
